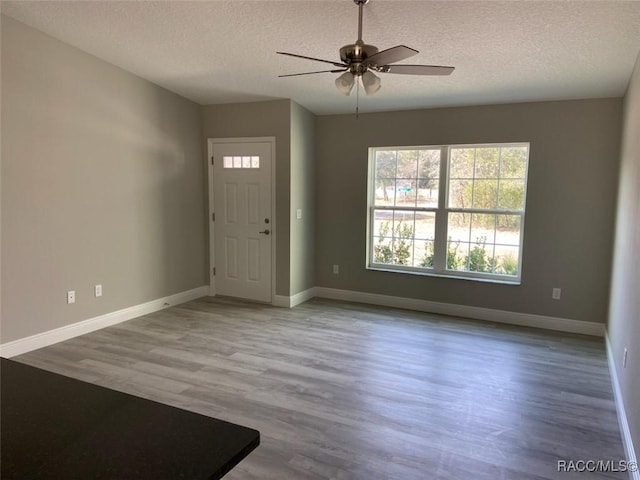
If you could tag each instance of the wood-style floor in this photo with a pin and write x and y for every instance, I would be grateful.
(346, 391)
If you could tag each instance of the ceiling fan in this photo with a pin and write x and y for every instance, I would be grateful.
(360, 60)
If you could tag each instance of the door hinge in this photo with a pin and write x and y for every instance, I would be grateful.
(212, 160)
(214, 271)
(213, 217)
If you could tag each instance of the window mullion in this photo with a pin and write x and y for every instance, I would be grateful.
(497, 205)
(371, 185)
(395, 183)
(473, 205)
(415, 205)
(440, 241)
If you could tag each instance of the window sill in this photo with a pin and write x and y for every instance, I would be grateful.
(453, 276)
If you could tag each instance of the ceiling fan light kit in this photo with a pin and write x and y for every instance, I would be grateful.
(371, 82)
(359, 60)
(345, 83)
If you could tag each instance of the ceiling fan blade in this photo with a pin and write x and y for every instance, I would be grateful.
(311, 73)
(390, 55)
(417, 69)
(336, 64)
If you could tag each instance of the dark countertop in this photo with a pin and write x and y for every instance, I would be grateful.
(56, 427)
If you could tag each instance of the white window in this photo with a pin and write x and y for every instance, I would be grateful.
(453, 210)
(240, 162)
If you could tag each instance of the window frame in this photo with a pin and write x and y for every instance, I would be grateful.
(442, 212)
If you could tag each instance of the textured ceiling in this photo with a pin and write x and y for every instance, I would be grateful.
(224, 51)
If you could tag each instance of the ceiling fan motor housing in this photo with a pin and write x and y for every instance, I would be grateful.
(353, 55)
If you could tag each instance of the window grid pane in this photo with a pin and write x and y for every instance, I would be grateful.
(241, 162)
(406, 178)
(491, 238)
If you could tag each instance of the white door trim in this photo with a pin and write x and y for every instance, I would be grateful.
(210, 144)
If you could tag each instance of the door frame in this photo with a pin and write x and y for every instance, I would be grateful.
(211, 142)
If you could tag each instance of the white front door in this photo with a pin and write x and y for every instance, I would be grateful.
(242, 220)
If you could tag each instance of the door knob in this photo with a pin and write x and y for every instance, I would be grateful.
(265, 232)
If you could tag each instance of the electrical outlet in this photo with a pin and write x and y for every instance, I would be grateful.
(299, 214)
(336, 269)
(556, 293)
(98, 290)
(71, 297)
(624, 359)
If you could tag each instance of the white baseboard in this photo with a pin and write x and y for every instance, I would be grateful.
(281, 301)
(44, 339)
(477, 313)
(627, 441)
(294, 300)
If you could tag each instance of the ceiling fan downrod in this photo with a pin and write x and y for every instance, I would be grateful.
(360, 3)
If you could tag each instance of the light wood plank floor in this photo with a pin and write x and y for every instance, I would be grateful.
(347, 391)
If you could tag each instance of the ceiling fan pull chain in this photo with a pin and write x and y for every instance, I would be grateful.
(357, 96)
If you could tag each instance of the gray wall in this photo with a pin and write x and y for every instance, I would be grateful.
(568, 235)
(302, 197)
(624, 312)
(262, 119)
(102, 182)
